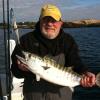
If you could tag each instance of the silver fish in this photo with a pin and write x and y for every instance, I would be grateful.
(50, 71)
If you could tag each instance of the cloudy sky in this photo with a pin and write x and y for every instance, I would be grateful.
(29, 10)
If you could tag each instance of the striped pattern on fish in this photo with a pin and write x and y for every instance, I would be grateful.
(50, 71)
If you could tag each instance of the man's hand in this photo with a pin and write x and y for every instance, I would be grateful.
(22, 66)
(88, 80)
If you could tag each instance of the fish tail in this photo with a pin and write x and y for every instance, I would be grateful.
(98, 79)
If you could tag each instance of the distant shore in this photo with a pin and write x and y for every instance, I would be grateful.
(82, 23)
(67, 24)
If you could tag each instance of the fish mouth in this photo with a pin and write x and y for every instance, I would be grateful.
(23, 60)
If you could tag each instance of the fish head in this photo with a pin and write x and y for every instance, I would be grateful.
(34, 63)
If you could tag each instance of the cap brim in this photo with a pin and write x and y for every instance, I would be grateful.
(54, 16)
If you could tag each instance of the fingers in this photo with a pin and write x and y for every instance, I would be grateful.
(22, 66)
(88, 80)
(85, 82)
(92, 78)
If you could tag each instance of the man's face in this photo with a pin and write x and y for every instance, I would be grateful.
(49, 27)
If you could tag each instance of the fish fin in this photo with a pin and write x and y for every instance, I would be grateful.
(70, 68)
(98, 79)
(49, 58)
(45, 67)
(37, 77)
(72, 89)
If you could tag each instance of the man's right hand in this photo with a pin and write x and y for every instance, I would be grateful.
(22, 66)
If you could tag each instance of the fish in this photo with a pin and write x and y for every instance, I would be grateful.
(47, 69)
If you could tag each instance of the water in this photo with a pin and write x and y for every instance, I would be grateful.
(2, 53)
(88, 40)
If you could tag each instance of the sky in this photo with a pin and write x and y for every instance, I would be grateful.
(29, 10)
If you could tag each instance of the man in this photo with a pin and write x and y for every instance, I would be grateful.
(48, 38)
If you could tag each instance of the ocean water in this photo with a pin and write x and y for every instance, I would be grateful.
(88, 40)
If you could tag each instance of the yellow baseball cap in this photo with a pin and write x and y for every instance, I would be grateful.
(52, 11)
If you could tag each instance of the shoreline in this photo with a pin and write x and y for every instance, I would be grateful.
(66, 24)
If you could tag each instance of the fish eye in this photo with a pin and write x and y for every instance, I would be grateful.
(29, 55)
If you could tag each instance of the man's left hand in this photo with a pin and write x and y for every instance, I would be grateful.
(88, 80)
